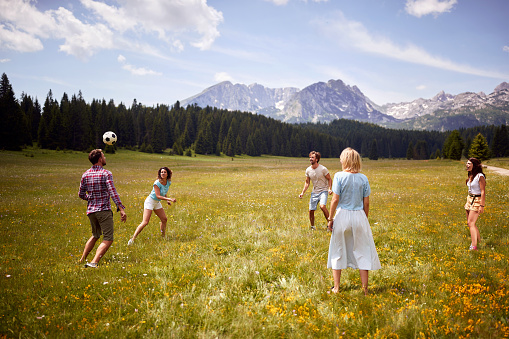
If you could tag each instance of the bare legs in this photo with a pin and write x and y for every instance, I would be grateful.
(336, 274)
(146, 218)
(162, 224)
(312, 215)
(101, 250)
(474, 231)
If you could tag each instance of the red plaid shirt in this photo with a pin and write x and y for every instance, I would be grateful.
(97, 187)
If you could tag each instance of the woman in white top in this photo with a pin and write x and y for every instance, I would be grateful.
(474, 206)
(351, 243)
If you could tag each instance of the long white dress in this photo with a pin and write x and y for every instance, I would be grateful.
(351, 243)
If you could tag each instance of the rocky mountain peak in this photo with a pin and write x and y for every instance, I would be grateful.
(502, 86)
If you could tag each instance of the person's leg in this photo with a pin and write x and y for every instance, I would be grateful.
(101, 250)
(313, 203)
(364, 280)
(160, 213)
(146, 218)
(336, 274)
(88, 247)
(323, 204)
(312, 218)
(325, 211)
(474, 231)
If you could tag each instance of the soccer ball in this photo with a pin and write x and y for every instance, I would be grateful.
(109, 138)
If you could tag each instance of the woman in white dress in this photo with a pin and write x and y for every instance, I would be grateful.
(351, 243)
(474, 206)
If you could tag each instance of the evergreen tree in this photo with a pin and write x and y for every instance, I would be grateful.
(229, 143)
(189, 132)
(251, 149)
(48, 122)
(177, 148)
(479, 148)
(500, 144)
(421, 150)
(410, 151)
(35, 119)
(453, 146)
(204, 143)
(218, 148)
(238, 145)
(28, 108)
(373, 153)
(14, 129)
(455, 150)
(157, 140)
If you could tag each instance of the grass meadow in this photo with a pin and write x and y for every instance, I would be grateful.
(239, 259)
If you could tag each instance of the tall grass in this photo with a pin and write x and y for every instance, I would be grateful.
(239, 259)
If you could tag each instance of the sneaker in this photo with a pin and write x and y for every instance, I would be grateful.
(130, 242)
(472, 248)
(313, 228)
(91, 264)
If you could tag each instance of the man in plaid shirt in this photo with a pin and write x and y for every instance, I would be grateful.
(97, 188)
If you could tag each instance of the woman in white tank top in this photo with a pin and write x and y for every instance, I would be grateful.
(474, 206)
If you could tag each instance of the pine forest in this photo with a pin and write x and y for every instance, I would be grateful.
(74, 124)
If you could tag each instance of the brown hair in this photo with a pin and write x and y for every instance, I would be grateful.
(167, 171)
(316, 154)
(95, 155)
(476, 169)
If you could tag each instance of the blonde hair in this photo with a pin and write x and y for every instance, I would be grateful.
(350, 160)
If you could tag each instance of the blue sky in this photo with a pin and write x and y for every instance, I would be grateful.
(161, 51)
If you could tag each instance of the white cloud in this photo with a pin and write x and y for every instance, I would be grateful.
(128, 26)
(4, 60)
(421, 87)
(353, 34)
(168, 19)
(284, 2)
(421, 8)
(135, 70)
(18, 40)
(505, 49)
(222, 76)
(278, 2)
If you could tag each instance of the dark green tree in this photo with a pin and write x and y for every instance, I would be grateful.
(410, 151)
(14, 128)
(500, 144)
(157, 139)
(29, 111)
(373, 153)
(453, 146)
(421, 150)
(479, 148)
(251, 149)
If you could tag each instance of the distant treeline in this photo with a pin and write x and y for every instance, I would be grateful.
(74, 124)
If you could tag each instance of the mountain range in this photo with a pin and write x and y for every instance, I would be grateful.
(325, 102)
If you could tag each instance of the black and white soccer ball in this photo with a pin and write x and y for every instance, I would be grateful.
(109, 138)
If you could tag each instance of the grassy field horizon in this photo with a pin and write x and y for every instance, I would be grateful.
(239, 259)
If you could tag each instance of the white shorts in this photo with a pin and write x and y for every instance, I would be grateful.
(151, 204)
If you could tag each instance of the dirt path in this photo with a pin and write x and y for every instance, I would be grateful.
(498, 170)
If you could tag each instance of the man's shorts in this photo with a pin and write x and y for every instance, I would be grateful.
(317, 197)
(151, 204)
(102, 223)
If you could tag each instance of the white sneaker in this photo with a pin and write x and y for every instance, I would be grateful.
(313, 228)
(130, 242)
(91, 264)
